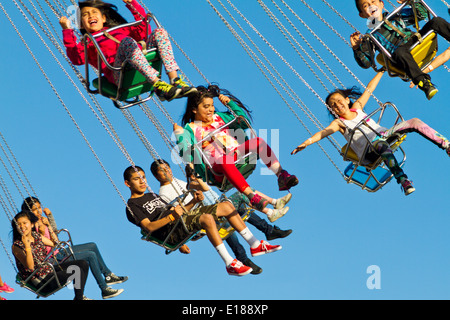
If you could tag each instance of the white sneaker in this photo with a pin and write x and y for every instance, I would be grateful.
(278, 213)
(281, 202)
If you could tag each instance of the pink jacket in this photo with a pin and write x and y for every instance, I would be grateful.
(75, 51)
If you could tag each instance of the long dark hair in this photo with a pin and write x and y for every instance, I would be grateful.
(212, 91)
(113, 18)
(353, 93)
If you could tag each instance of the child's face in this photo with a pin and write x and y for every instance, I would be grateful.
(24, 225)
(37, 209)
(205, 110)
(137, 183)
(92, 19)
(339, 104)
(371, 9)
(164, 173)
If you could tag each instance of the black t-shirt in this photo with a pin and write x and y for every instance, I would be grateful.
(150, 206)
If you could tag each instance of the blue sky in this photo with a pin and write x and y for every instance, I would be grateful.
(338, 229)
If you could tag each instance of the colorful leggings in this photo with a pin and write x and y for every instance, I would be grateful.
(225, 164)
(129, 50)
(413, 125)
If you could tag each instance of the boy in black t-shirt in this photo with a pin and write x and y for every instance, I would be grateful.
(152, 214)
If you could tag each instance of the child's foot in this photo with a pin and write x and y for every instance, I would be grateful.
(109, 292)
(263, 248)
(278, 213)
(448, 151)
(286, 181)
(185, 88)
(237, 268)
(165, 91)
(113, 279)
(281, 202)
(6, 288)
(258, 202)
(426, 86)
(407, 187)
(278, 233)
(255, 269)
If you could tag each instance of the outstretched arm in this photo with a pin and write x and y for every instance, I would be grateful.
(334, 126)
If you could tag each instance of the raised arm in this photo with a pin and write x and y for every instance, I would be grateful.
(334, 126)
(362, 101)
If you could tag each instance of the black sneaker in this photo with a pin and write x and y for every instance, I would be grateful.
(185, 88)
(426, 86)
(165, 91)
(278, 233)
(113, 279)
(256, 269)
(109, 292)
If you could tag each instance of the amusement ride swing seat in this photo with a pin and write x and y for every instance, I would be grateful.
(222, 225)
(132, 83)
(423, 50)
(371, 175)
(36, 286)
(245, 163)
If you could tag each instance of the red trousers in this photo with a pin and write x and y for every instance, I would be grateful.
(224, 164)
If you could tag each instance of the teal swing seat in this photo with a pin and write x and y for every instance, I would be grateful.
(245, 163)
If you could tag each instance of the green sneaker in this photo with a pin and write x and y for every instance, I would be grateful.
(165, 91)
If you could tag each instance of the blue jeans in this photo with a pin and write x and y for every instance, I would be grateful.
(90, 253)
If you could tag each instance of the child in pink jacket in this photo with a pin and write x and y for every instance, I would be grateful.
(122, 44)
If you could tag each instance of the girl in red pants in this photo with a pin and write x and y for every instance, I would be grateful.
(200, 118)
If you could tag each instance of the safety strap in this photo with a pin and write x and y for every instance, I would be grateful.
(402, 34)
(109, 36)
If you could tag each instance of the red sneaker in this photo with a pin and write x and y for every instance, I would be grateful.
(6, 288)
(263, 248)
(286, 181)
(237, 268)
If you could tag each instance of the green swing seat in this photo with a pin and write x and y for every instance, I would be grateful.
(133, 83)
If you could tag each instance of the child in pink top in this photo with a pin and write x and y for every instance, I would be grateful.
(122, 44)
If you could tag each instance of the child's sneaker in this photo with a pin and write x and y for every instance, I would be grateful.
(448, 151)
(426, 86)
(286, 181)
(407, 187)
(263, 248)
(109, 292)
(278, 213)
(237, 268)
(185, 88)
(165, 91)
(113, 279)
(6, 288)
(282, 202)
(258, 202)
